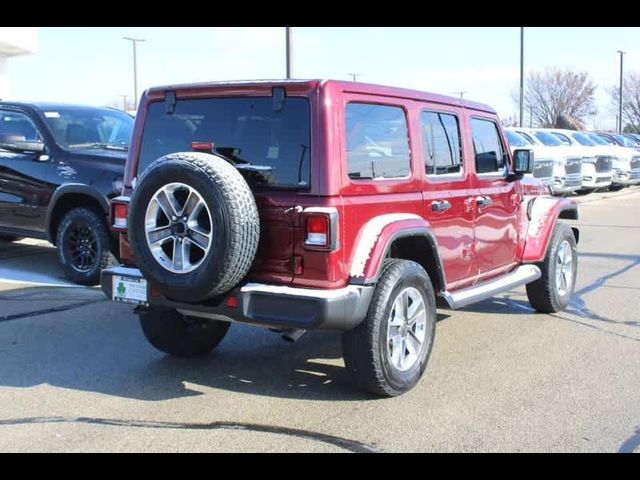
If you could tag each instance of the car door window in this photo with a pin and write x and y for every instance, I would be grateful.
(377, 142)
(489, 153)
(441, 138)
(17, 127)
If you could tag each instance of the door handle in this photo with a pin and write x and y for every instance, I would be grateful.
(440, 205)
(483, 201)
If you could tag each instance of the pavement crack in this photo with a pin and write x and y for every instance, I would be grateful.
(344, 443)
(44, 311)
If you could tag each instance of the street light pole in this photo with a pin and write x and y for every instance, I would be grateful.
(461, 94)
(354, 75)
(288, 51)
(521, 75)
(124, 101)
(135, 67)
(620, 94)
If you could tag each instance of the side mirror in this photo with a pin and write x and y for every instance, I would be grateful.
(522, 161)
(17, 143)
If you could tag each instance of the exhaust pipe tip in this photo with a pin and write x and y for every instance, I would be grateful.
(293, 335)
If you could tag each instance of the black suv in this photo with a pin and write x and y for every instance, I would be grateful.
(59, 166)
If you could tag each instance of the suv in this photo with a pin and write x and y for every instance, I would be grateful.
(59, 166)
(313, 204)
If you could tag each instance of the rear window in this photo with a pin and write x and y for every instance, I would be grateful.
(274, 146)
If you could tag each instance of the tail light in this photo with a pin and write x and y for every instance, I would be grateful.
(119, 211)
(321, 228)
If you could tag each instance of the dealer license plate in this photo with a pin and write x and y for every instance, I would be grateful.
(129, 290)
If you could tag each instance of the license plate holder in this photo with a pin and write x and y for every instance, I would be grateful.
(129, 290)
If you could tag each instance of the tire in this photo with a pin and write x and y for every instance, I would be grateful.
(546, 294)
(84, 224)
(9, 238)
(367, 349)
(179, 335)
(225, 202)
(616, 188)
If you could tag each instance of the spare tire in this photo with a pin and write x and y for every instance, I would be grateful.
(193, 226)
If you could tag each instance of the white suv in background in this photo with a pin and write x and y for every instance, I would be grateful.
(567, 163)
(598, 160)
(543, 158)
(626, 171)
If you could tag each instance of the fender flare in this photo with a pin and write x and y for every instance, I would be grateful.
(543, 213)
(73, 188)
(375, 239)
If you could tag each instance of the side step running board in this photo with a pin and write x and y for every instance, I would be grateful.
(520, 276)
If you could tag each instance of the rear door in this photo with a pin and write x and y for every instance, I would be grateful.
(496, 201)
(446, 192)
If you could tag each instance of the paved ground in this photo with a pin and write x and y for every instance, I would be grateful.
(76, 373)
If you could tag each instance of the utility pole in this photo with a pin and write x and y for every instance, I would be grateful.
(620, 98)
(288, 50)
(461, 94)
(521, 75)
(124, 101)
(354, 75)
(134, 41)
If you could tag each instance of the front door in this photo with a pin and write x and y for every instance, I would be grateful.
(496, 201)
(25, 191)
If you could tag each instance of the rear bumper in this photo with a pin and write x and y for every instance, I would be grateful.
(273, 306)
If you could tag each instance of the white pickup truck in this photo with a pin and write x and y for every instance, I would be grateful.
(567, 162)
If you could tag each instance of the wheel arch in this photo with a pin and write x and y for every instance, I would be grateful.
(71, 196)
(408, 238)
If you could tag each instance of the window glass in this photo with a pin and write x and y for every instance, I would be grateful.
(550, 140)
(18, 127)
(583, 139)
(516, 139)
(441, 137)
(377, 141)
(562, 138)
(490, 156)
(272, 147)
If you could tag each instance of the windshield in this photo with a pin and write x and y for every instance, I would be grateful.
(548, 139)
(606, 139)
(90, 127)
(596, 138)
(583, 139)
(516, 139)
(624, 140)
(272, 146)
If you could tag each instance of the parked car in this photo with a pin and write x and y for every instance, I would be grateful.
(626, 171)
(618, 139)
(266, 203)
(567, 163)
(544, 157)
(597, 161)
(59, 166)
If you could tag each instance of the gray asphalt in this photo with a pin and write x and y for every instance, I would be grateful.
(76, 374)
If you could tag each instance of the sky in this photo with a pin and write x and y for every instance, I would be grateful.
(95, 65)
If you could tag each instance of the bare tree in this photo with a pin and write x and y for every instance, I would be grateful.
(630, 101)
(559, 98)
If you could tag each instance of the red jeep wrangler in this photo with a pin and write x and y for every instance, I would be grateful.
(298, 205)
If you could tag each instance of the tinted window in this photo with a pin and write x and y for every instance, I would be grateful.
(441, 137)
(270, 146)
(90, 127)
(583, 139)
(548, 139)
(377, 141)
(562, 138)
(490, 156)
(19, 126)
(516, 140)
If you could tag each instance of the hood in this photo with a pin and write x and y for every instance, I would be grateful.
(110, 160)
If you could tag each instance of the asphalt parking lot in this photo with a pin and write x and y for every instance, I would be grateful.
(76, 374)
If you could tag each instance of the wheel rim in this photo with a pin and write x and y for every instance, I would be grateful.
(406, 329)
(81, 245)
(564, 268)
(178, 228)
